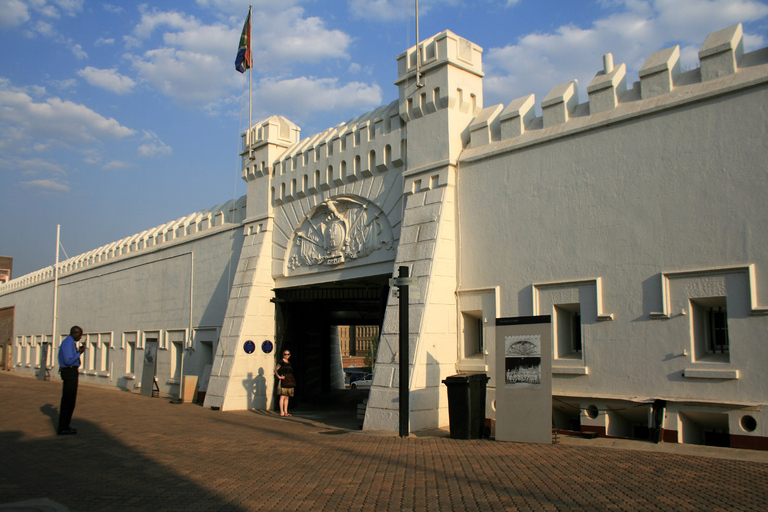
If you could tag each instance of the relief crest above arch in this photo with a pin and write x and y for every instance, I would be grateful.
(336, 232)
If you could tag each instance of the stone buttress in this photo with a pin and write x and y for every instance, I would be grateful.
(240, 380)
(437, 103)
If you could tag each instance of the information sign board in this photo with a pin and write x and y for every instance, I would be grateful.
(524, 379)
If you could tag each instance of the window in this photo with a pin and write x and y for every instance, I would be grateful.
(50, 358)
(37, 342)
(709, 326)
(91, 353)
(177, 349)
(105, 344)
(152, 335)
(129, 344)
(475, 308)
(473, 333)
(567, 330)
(175, 341)
(27, 351)
(18, 349)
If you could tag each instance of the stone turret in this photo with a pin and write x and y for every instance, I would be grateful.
(262, 145)
(440, 99)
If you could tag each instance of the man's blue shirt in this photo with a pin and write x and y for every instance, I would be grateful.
(68, 354)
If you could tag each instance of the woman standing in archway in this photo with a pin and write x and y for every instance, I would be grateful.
(286, 382)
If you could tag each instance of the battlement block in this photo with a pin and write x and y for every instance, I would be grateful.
(516, 116)
(605, 88)
(560, 103)
(657, 76)
(485, 127)
(443, 48)
(721, 51)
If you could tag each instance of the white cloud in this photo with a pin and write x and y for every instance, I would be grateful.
(631, 30)
(115, 164)
(153, 146)
(237, 7)
(195, 64)
(303, 95)
(102, 41)
(108, 79)
(187, 77)
(116, 9)
(13, 13)
(46, 185)
(287, 36)
(70, 7)
(63, 85)
(390, 10)
(150, 20)
(16, 12)
(45, 28)
(25, 121)
(78, 51)
(30, 167)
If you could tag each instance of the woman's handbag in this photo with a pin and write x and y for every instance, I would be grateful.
(288, 381)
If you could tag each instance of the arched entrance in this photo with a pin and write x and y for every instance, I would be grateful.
(307, 316)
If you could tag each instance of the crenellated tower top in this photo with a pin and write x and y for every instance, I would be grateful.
(439, 95)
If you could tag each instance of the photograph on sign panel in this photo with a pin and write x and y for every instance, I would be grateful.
(522, 360)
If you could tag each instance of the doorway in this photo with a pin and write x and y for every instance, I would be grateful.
(6, 338)
(309, 319)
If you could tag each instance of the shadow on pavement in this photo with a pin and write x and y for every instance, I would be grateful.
(95, 471)
(334, 409)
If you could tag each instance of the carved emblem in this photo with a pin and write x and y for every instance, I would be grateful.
(338, 230)
(522, 348)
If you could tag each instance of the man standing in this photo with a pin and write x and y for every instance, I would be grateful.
(69, 363)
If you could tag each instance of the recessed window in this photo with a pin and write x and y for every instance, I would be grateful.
(176, 339)
(130, 352)
(473, 333)
(710, 328)
(568, 331)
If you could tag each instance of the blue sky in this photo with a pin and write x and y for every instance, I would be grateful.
(117, 117)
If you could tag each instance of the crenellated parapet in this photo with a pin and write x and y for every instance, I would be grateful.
(365, 146)
(724, 67)
(164, 235)
(430, 84)
(263, 143)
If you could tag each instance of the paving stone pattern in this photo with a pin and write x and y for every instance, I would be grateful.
(136, 453)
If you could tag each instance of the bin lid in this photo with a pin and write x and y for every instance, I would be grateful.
(463, 378)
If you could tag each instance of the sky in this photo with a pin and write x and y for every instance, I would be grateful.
(118, 117)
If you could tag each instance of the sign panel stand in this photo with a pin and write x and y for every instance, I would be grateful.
(148, 381)
(44, 374)
(524, 379)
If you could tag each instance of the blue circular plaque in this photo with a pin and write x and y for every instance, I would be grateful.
(267, 346)
(249, 347)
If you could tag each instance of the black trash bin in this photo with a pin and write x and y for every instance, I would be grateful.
(466, 404)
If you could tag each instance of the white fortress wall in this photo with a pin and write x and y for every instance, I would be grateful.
(169, 282)
(635, 205)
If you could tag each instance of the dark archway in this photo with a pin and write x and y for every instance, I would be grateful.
(304, 317)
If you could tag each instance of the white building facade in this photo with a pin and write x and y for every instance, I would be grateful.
(635, 217)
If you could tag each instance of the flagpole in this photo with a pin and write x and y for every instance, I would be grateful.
(418, 49)
(250, 75)
(56, 285)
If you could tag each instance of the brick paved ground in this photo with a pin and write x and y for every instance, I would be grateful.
(136, 453)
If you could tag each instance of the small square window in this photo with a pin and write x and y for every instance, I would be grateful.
(709, 329)
(473, 333)
(568, 331)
